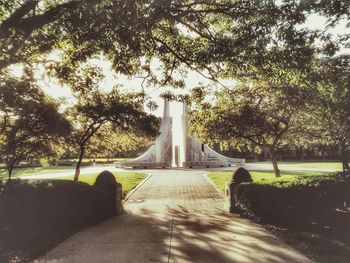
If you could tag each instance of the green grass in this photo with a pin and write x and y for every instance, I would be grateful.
(319, 166)
(37, 170)
(287, 179)
(54, 169)
(128, 180)
(293, 173)
(315, 165)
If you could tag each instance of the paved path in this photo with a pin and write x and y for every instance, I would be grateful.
(175, 216)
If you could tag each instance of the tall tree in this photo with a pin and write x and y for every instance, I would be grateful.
(97, 108)
(31, 122)
(255, 114)
(329, 112)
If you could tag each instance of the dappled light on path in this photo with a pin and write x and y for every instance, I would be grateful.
(176, 216)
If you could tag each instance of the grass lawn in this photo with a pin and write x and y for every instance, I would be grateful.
(288, 178)
(53, 169)
(315, 166)
(36, 170)
(128, 180)
(292, 173)
(336, 166)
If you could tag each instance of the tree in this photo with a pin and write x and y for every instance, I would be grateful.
(329, 112)
(107, 142)
(31, 122)
(96, 108)
(255, 114)
(335, 11)
(218, 39)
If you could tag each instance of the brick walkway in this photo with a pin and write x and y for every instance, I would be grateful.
(175, 216)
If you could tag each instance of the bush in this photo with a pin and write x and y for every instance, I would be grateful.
(294, 204)
(105, 180)
(44, 162)
(241, 175)
(36, 215)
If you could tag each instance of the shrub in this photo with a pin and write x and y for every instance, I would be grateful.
(36, 215)
(241, 175)
(294, 204)
(105, 180)
(44, 162)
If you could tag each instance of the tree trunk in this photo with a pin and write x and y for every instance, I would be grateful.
(301, 155)
(274, 162)
(9, 169)
(255, 157)
(10, 164)
(77, 167)
(345, 159)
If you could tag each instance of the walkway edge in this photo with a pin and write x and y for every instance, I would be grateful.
(136, 188)
(221, 192)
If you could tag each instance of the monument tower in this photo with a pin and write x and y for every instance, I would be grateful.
(189, 153)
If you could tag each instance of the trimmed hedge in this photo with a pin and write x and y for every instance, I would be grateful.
(241, 175)
(294, 204)
(36, 215)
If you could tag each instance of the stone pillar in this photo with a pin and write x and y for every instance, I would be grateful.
(184, 142)
(164, 141)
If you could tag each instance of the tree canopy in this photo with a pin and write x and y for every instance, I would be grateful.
(123, 111)
(30, 122)
(255, 114)
(222, 39)
(264, 45)
(329, 115)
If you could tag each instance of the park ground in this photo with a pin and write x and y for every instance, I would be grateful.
(326, 240)
(175, 216)
(22, 238)
(313, 243)
(61, 171)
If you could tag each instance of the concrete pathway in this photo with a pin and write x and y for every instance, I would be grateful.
(175, 216)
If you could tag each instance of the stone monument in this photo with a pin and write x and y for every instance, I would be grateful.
(189, 153)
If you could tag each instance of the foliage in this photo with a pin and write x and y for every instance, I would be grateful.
(241, 175)
(38, 214)
(266, 177)
(128, 180)
(297, 197)
(256, 114)
(31, 122)
(105, 180)
(336, 11)
(328, 115)
(108, 142)
(222, 38)
(124, 112)
(294, 204)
